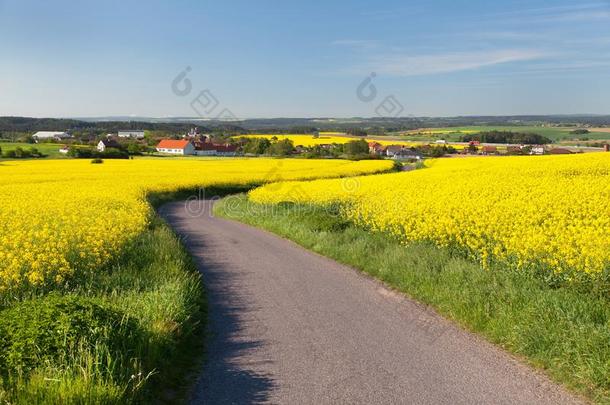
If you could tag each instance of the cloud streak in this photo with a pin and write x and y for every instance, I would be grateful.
(418, 65)
(560, 14)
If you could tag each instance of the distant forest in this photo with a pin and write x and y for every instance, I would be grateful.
(507, 137)
(23, 124)
(372, 125)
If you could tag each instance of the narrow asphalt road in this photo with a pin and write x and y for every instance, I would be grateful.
(289, 326)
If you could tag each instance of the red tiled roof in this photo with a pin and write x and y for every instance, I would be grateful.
(226, 148)
(216, 146)
(205, 146)
(172, 144)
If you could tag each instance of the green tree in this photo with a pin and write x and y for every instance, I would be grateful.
(355, 148)
(134, 148)
(257, 146)
(356, 132)
(285, 147)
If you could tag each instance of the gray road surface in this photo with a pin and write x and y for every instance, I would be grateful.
(289, 326)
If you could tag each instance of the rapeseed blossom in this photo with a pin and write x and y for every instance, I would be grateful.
(525, 211)
(59, 218)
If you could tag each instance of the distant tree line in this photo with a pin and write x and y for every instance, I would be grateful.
(356, 149)
(15, 127)
(88, 153)
(264, 146)
(27, 124)
(507, 137)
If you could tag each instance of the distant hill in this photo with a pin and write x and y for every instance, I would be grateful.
(182, 124)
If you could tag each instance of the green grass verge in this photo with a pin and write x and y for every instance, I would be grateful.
(99, 359)
(564, 331)
(49, 149)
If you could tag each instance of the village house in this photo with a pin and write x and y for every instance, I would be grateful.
(375, 148)
(107, 143)
(64, 149)
(226, 150)
(407, 154)
(214, 149)
(176, 147)
(537, 150)
(560, 151)
(204, 149)
(489, 150)
(134, 134)
(40, 135)
(392, 150)
(514, 150)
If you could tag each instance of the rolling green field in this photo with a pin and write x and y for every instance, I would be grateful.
(50, 149)
(454, 133)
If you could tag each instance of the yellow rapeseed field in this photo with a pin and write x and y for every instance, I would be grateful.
(63, 217)
(304, 140)
(550, 211)
(331, 137)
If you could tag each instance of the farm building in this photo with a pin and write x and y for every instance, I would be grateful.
(51, 135)
(514, 150)
(375, 148)
(392, 150)
(489, 150)
(135, 134)
(176, 147)
(214, 149)
(537, 150)
(226, 150)
(560, 151)
(407, 154)
(107, 143)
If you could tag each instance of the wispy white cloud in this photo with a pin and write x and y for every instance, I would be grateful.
(417, 65)
(596, 41)
(559, 14)
(509, 35)
(590, 15)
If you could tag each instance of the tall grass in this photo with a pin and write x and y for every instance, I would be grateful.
(563, 330)
(154, 284)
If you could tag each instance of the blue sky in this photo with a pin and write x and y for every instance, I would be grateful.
(306, 59)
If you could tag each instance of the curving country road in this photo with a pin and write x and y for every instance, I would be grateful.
(289, 326)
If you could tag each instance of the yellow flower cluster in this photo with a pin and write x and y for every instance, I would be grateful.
(63, 217)
(524, 210)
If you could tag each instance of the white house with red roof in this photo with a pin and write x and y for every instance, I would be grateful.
(176, 147)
